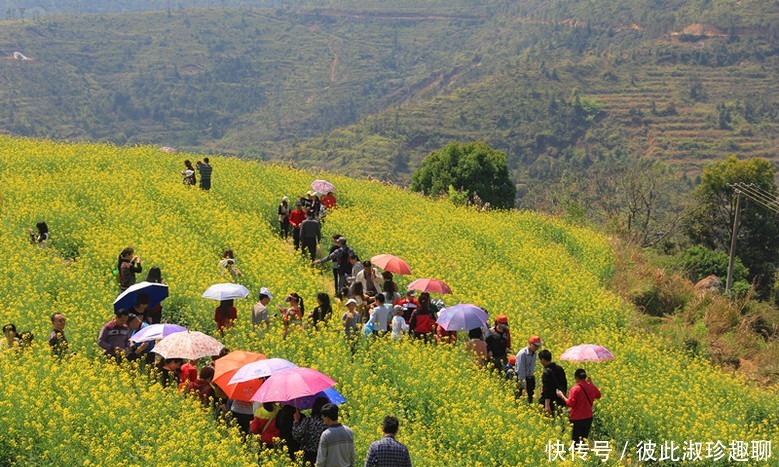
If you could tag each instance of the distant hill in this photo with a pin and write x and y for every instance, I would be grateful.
(369, 88)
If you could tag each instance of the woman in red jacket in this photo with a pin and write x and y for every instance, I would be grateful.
(580, 400)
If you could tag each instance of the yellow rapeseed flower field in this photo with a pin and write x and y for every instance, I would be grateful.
(545, 275)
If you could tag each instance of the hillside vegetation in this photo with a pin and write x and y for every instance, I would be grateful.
(547, 276)
(369, 88)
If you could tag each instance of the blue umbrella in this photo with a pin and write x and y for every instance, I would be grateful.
(307, 402)
(128, 298)
(462, 317)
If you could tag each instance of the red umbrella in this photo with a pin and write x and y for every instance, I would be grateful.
(430, 285)
(391, 263)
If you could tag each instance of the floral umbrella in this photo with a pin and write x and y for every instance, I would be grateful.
(190, 345)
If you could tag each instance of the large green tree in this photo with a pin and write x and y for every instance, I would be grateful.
(474, 167)
(711, 224)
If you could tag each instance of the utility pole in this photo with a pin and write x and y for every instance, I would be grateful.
(734, 235)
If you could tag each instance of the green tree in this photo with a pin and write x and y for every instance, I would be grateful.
(711, 224)
(473, 167)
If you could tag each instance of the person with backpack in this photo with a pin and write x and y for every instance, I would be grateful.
(341, 254)
(552, 380)
(580, 400)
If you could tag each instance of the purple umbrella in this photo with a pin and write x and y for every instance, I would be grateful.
(462, 317)
(153, 332)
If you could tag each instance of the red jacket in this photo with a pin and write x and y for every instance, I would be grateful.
(580, 400)
(296, 218)
(225, 321)
(329, 201)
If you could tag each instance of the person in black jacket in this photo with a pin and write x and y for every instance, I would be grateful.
(552, 379)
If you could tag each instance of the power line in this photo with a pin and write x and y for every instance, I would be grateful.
(758, 195)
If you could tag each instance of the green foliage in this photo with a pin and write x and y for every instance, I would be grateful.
(473, 167)
(458, 197)
(699, 262)
(711, 224)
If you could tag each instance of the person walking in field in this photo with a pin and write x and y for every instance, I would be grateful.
(284, 212)
(205, 170)
(498, 343)
(310, 235)
(581, 398)
(260, 315)
(308, 430)
(336, 445)
(552, 380)
(526, 367)
(225, 315)
(296, 218)
(388, 452)
(114, 337)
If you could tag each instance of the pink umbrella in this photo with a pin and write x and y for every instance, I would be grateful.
(292, 384)
(430, 285)
(586, 353)
(391, 263)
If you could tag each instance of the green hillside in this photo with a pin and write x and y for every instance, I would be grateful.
(369, 88)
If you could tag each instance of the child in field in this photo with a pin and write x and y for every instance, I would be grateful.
(227, 263)
(399, 326)
(42, 236)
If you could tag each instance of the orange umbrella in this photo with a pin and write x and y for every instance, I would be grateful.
(391, 263)
(227, 366)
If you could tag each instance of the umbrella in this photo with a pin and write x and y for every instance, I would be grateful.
(430, 285)
(586, 353)
(260, 369)
(190, 345)
(226, 291)
(391, 263)
(293, 383)
(322, 186)
(153, 332)
(227, 366)
(462, 317)
(128, 298)
(307, 402)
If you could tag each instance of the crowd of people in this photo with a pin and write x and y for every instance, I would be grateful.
(374, 308)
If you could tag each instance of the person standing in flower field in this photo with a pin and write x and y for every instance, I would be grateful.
(336, 445)
(260, 315)
(154, 316)
(341, 255)
(580, 400)
(205, 170)
(127, 267)
(42, 236)
(189, 174)
(552, 380)
(114, 337)
(526, 367)
(57, 340)
(498, 343)
(308, 430)
(225, 315)
(310, 234)
(328, 201)
(388, 452)
(296, 218)
(284, 212)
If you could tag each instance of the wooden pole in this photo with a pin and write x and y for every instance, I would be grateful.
(734, 235)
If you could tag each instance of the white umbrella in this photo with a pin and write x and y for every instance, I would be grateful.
(190, 345)
(260, 369)
(226, 291)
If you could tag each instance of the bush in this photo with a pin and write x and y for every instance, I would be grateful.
(699, 262)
